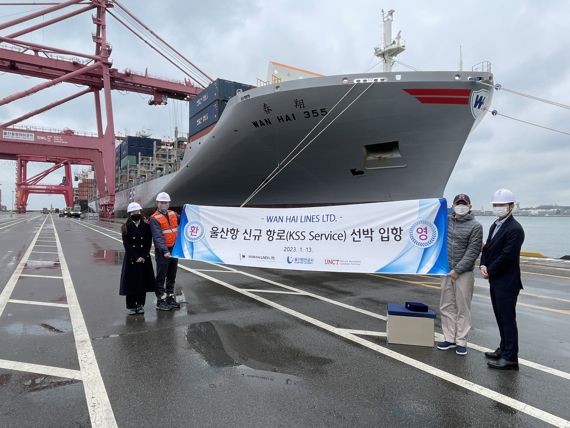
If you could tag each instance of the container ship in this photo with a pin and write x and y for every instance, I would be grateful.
(302, 139)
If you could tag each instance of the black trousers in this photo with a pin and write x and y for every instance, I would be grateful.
(504, 307)
(165, 274)
(134, 300)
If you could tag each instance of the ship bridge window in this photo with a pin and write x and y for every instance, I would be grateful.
(383, 155)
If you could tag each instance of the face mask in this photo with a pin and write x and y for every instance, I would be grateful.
(136, 217)
(461, 209)
(500, 211)
(163, 207)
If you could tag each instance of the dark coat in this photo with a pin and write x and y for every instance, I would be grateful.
(501, 255)
(136, 277)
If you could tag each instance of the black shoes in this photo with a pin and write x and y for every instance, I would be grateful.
(494, 355)
(171, 301)
(502, 364)
(161, 305)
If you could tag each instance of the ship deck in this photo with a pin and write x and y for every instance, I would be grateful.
(255, 347)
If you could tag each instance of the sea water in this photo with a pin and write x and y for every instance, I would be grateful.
(547, 235)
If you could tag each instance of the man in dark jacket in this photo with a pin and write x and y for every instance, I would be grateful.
(464, 239)
(500, 264)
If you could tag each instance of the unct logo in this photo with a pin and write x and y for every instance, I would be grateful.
(423, 233)
(194, 231)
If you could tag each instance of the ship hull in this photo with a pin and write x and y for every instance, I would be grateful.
(350, 139)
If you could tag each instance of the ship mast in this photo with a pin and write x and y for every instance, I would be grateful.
(391, 48)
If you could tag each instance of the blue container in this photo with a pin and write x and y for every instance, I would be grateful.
(131, 146)
(208, 116)
(218, 90)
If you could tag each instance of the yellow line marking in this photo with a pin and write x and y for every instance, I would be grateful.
(540, 296)
(529, 305)
(546, 274)
(423, 284)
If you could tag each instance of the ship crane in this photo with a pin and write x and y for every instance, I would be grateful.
(96, 73)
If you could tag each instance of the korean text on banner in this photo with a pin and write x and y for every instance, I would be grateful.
(406, 237)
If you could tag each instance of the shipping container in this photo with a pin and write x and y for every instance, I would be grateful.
(206, 117)
(218, 90)
(131, 146)
(129, 160)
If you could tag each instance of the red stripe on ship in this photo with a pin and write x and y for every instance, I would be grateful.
(442, 100)
(439, 92)
(441, 96)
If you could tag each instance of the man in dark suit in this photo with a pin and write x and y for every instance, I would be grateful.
(500, 264)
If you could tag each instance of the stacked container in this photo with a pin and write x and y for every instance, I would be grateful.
(207, 107)
(132, 146)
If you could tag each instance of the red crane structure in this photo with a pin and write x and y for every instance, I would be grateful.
(95, 72)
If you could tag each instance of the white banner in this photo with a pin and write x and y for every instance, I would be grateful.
(390, 237)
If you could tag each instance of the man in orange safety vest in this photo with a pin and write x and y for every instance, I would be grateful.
(164, 227)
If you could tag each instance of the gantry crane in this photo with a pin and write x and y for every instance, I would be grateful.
(97, 74)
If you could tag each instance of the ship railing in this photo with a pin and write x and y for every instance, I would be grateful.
(483, 66)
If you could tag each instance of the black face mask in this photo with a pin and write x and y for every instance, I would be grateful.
(136, 217)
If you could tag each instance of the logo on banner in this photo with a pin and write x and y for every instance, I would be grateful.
(300, 260)
(423, 233)
(194, 231)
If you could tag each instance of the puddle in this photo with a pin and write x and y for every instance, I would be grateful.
(258, 376)
(35, 383)
(51, 328)
(258, 347)
(109, 257)
(46, 328)
(41, 264)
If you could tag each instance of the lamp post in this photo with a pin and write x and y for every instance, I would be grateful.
(12, 213)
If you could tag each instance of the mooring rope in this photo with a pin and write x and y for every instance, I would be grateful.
(286, 161)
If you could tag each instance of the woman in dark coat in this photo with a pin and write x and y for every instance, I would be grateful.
(137, 275)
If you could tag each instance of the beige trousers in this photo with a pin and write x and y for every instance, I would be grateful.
(455, 307)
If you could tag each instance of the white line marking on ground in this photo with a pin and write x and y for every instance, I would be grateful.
(44, 252)
(42, 245)
(215, 270)
(456, 380)
(100, 410)
(40, 276)
(316, 296)
(12, 224)
(537, 366)
(364, 332)
(522, 361)
(42, 261)
(256, 290)
(39, 369)
(9, 287)
(34, 302)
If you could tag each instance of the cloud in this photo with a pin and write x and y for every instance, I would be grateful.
(525, 41)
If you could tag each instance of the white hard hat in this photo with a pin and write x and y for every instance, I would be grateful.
(133, 206)
(503, 196)
(163, 197)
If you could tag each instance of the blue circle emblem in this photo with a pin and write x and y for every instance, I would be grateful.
(194, 231)
(423, 233)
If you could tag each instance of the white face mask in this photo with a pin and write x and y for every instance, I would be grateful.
(461, 209)
(163, 206)
(500, 211)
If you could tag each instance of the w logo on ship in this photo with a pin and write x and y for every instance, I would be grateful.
(478, 101)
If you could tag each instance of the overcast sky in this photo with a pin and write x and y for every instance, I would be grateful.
(526, 41)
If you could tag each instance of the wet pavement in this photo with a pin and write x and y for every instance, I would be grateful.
(255, 347)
